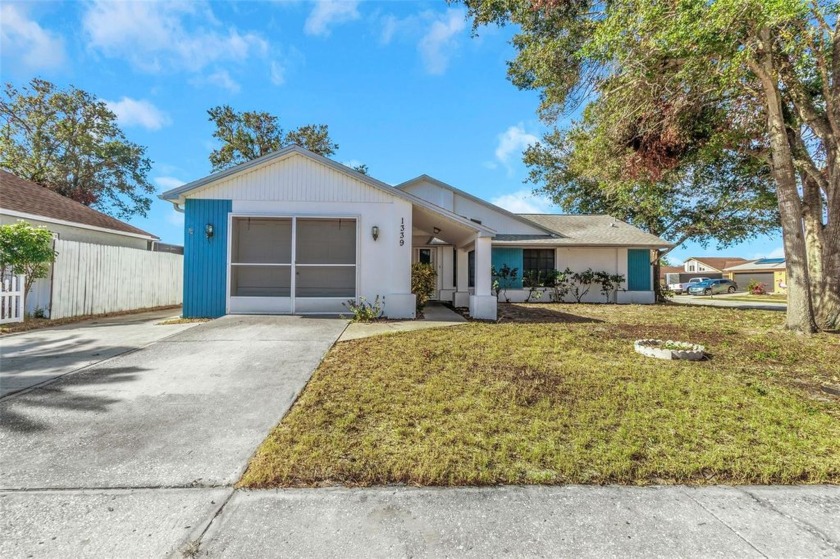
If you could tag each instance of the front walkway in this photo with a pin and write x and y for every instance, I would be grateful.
(435, 315)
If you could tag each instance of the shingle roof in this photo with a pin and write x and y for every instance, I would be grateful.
(583, 230)
(719, 262)
(21, 195)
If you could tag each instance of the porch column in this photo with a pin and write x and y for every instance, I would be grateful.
(447, 283)
(483, 302)
(462, 293)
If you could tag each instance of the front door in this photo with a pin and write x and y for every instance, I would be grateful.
(428, 255)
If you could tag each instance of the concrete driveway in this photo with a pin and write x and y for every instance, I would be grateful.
(181, 414)
(38, 356)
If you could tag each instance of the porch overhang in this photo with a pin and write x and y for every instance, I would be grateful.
(446, 226)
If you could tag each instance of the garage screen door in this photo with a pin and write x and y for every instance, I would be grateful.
(292, 264)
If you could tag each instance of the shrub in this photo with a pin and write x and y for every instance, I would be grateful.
(610, 284)
(25, 249)
(503, 279)
(423, 283)
(757, 288)
(581, 283)
(560, 284)
(363, 311)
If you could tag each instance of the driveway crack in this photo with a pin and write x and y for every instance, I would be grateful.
(192, 547)
(719, 519)
(807, 526)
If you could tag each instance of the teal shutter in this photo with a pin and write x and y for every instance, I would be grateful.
(638, 270)
(513, 258)
(205, 259)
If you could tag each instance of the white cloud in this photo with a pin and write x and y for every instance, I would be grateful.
(278, 73)
(222, 79)
(27, 45)
(439, 43)
(168, 183)
(329, 13)
(524, 202)
(436, 34)
(154, 36)
(138, 112)
(513, 141)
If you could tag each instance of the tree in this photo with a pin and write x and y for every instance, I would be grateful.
(750, 61)
(25, 249)
(69, 141)
(709, 193)
(248, 135)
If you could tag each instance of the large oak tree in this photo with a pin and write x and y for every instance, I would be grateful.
(776, 63)
(69, 141)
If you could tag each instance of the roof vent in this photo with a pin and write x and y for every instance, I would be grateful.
(613, 224)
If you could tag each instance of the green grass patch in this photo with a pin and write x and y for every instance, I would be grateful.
(555, 394)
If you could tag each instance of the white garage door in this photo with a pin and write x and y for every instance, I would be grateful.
(292, 264)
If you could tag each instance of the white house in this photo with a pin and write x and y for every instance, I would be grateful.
(294, 232)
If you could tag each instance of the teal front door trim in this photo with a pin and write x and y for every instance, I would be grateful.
(638, 270)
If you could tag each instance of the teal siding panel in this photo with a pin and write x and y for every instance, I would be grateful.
(205, 259)
(638, 270)
(513, 258)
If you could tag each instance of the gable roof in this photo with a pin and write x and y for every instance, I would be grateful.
(760, 265)
(23, 198)
(177, 195)
(587, 230)
(718, 262)
(469, 196)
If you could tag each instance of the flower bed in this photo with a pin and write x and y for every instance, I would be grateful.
(669, 349)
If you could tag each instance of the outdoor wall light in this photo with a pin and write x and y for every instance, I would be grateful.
(208, 230)
(374, 231)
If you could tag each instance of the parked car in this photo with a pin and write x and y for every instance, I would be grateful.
(679, 288)
(713, 286)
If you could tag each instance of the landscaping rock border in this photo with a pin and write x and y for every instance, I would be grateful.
(653, 348)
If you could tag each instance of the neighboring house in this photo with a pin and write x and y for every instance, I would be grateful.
(769, 271)
(715, 264)
(70, 221)
(294, 232)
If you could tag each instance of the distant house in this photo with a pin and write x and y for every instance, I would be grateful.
(69, 220)
(715, 264)
(769, 271)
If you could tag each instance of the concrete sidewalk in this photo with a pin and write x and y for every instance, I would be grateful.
(570, 521)
(722, 301)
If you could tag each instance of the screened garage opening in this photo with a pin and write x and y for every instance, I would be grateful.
(292, 264)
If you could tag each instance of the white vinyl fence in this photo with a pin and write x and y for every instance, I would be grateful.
(11, 299)
(95, 279)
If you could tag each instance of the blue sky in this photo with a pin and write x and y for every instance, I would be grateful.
(401, 84)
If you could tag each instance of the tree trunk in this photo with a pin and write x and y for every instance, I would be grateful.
(800, 316)
(657, 283)
(812, 211)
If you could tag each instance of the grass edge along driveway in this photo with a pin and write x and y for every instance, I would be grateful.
(554, 394)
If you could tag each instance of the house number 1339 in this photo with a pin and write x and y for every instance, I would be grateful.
(402, 231)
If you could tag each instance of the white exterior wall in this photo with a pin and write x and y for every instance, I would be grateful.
(298, 186)
(600, 259)
(81, 235)
(470, 209)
